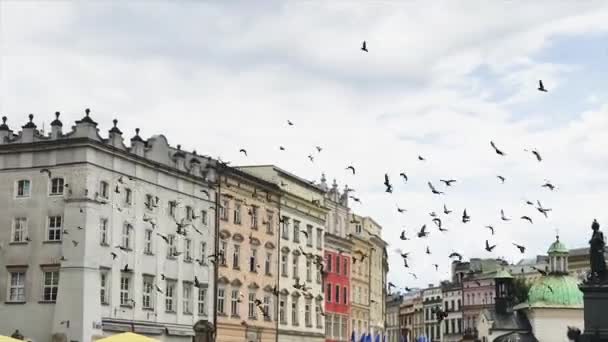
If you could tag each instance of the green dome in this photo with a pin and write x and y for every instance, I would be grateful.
(557, 247)
(555, 290)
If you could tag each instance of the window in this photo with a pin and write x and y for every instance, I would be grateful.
(203, 247)
(103, 291)
(338, 264)
(222, 252)
(202, 301)
(318, 315)
(188, 250)
(104, 189)
(358, 228)
(328, 296)
(224, 210)
(309, 235)
(251, 307)
(187, 298)
(103, 230)
(147, 296)
(189, 213)
(148, 241)
(125, 294)
(253, 260)
(19, 230)
(294, 311)
(149, 202)
(23, 188)
(328, 263)
(296, 231)
(234, 303)
(344, 330)
(237, 213)
(285, 228)
(171, 247)
(16, 292)
(56, 186)
(126, 235)
(220, 301)
(345, 295)
(308, 270)
(282, 308)
(172, 208)
(307, 314)
(284, 259)
(319, 238)
(269, 222)
(254, 217)
(318, 274)
(236, 255)
(268, 264)
(128, 196)
(295, 266)
(51, 284)
(266, 308)
(204, 217)
(54, 229)
(346, 263)
(169, 293)
(338, 294)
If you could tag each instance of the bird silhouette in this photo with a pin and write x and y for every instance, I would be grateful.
(445, 210)
(387, 183)
(114, 255)
(126, 268)
(281, 148)
(206, 193)
(423, 233)
(164, 237)
(289, 123)
(542, 272)
(401, 210)
(535, 153)
(436, 267)
(390, 285)
(421, 158)
(498, 151)
(465, 217)
(491, 228)
(405, 264)
(311, 158)
(356, 199)
(75, 243)
(522, 249)
(541, 86)
(503, 217)
(352, 168)
(528, 202)
(364, 46)
(488, 247)
(158, 289)
(428, 251)
(548, 185)
(527, 218)
(414, 275)
(404, 176)
(402, 236)
(542, 210)
(433, 214)
(433, 190)
(455, 255)
(502, 179)
(437, 222)
(319, 149)
(243, 151)
(447, 182)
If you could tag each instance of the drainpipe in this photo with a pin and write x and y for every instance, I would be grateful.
(216, 240)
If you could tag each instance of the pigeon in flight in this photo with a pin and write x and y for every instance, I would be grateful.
(447, 182)
(465, 217)
(413, 275)
(421, 158)
(423, 233)
(433, 190)
(521, 248)
(402, 174)
(499, 152)
(455, 255)
(352, 168)
(542, 210)
(436, 267)
(488, 247)
(535, 153)
(387, 183)
(364, 46)
(289, 123)
(428, 251)
(312, 159)
(319, 148)
(445, 210)
(527, 218)
(548, 185)
(402, 236)
(114, 255)
(243, 151)
(541, 86)
(503, 217)
(401, 210)
(437, 222)
(491, 228)
(502, 179)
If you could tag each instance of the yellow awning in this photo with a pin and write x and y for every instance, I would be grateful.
(8, 339)
(125, 337)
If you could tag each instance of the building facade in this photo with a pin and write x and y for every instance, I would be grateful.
(379, 269)
(103, 238)
(432, 302)
(452, 304)
(360, 278)
(393, 323)
(248, 249)
(301, 235)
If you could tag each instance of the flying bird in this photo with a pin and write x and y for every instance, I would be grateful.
(465, 217)
(75, 243)
(421, 158)
(281, 148)
(402, 237)
(499, 152)
(535, 153)
(447, 182)
(158, 289)
(243, 151)
(491, 228)
(445, 210)
(522, 249)
(387, 183)
(114, 255)
(364, 46)
(402, 174)
(289, 123)
(356, 199)
(488, 247)
(401, 210)
(428, 251)
(423, 233)
(455, 255)
(527, 218)
(311, 158)
(206, 193)
(541, 209)
(541, 86)
(437, 222)
(126, 268)
(319, 149)
(436, 267)
(352, 168)
(503, 217)
(413, 275)
(433, 214)
(502, 179)
(548, 185)
(433, 190)
(528, 202)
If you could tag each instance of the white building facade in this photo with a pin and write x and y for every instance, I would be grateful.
(92, 246)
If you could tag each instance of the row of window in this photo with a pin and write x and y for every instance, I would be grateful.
(308, 233)
(335, 291)
(455, 305)
(336, 264)
(473, 299)
(253, 213)
(360, 295)
(23, 187)
(452, 326)
(295, 267)
(17, 286)
(236, 298)
(235, 259)
(336, 327)
(359, 326)
(151, 292)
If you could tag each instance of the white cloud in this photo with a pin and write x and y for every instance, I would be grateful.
(220, 78)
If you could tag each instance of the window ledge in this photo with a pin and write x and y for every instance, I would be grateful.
(14, 303)
(252, 318)
(47, 301)
(236, 268)
(18, 243)
(105, 304)
(104, 245)
(56, 195)
(50, 242)
(268, 274)
(147, 309)
(188, 260)
(234, 316)
(127, 249)
(221, 314)
(254, 271)
(171, 258)
(187, 313)
(126, 306)
(149, 253)
(170, 312)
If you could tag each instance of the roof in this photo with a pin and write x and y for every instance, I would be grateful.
(299, 179)
(555, 291)
(510, 321)
(557, 247)
(516, 337)
(503, 274)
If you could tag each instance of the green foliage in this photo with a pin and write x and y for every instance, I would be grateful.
(520, 290)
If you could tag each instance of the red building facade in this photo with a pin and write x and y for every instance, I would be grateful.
(336, 287)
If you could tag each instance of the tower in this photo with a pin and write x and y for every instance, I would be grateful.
(503, 281)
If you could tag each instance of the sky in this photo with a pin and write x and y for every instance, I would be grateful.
(440, 80)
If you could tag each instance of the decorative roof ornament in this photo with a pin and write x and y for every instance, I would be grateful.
(179, 152)
(57, 122)
(137, 137)
(87, 118)
(115, 128)
(4, 126)
(30, 124)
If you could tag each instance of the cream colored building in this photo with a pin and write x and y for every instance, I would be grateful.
(301, 234)
(248, 246)
(378, 270)
(81, 254)
(360, 277)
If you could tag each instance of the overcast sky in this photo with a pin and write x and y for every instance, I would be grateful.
(441, 80)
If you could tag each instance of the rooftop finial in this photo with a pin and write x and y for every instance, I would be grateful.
(31, 116)
(4, 118)
(4, 127)
(57, 115)
(115, 122)
(194, 152)
(179, 147)
(137, 131)
(87, 111)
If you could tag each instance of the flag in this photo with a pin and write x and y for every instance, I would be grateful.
(377, 338)
(362, 338)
